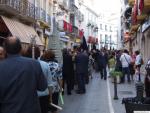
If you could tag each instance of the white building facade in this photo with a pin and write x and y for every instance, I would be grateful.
(108, 33)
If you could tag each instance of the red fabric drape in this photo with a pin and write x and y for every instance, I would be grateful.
(70, 27)
(141, 6)
(81, 33)
(135, 13)
(65, 25)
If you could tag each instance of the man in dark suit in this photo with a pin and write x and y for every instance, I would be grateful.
(81, 62)
(68, 72)
(20, 78)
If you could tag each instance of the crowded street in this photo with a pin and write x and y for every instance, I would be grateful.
(74, 56)
(99, 97)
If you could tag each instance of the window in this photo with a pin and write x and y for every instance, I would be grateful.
(106, 39)
(105, 27)
(110, 29)
(101, 27)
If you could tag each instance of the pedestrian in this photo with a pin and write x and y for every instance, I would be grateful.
(81, 62)
(2, 53)
(104, 61)
(56, 72)
(44, 96)
(68, 71)
(118, 66)
(125, 61)
(138, 64)
(19, 81)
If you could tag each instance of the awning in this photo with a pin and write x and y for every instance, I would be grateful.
(22, 31)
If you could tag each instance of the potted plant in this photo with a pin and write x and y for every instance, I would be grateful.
(117, 74)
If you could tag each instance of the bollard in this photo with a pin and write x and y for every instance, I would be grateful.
(139, 90)
(115, 88)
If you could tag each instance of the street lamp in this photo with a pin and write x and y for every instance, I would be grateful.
(33, 43)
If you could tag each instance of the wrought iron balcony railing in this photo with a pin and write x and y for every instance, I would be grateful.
(48, 19)
(43, 15)
(24, 8)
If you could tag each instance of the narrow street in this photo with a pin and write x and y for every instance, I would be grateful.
(98, 98)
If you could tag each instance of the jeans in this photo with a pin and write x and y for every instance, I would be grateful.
(125, 70)
(103, 72)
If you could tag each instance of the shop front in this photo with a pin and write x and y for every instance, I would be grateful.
(12, 27)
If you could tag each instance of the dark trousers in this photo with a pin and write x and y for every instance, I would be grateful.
(70, 85)
(125, 70)
(55, 97)
(81, 81)
(44, 103)
(103, 72)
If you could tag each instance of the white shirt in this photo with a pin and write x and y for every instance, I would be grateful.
(125, 60)
(138, 60)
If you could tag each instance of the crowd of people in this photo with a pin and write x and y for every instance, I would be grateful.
(29, 83)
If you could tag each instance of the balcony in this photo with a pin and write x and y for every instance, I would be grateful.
(73, 8)
(64, 26)
(24, 10)
(48, 19)
(43, 15)
(75, 30)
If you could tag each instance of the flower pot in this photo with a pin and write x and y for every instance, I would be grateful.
(118, 79)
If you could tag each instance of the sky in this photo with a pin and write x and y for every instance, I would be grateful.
(107, 5)
(103, 5)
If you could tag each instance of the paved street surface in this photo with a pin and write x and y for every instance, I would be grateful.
(98, 98)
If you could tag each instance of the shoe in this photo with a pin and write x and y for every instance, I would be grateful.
(80, 92)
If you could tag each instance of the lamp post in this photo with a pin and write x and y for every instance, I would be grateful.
(33, 42)
(115, 88)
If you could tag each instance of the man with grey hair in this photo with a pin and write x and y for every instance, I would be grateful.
(20, 79)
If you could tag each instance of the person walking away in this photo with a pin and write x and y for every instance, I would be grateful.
(20, 79)
(125, 61)
(44, 96)
(138, 64)
(118, 66)
(81, 62)
(101, 64)
(56, 72)
(105, 63)
(68, 71)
